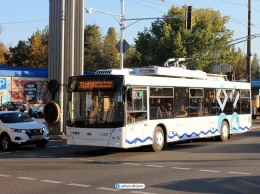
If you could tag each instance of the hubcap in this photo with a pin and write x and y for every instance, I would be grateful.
(5, 143)
(158, 138)
(225, 131)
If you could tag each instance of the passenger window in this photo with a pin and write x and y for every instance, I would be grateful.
(136, 106)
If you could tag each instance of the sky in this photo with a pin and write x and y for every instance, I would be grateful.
(21, 18)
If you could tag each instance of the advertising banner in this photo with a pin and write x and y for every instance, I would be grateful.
(32, 92)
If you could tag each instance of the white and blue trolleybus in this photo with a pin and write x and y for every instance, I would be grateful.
(154, 106)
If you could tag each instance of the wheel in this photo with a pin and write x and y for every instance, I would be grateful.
(41, 144)
(6, 142)
(158, 139)
(224, 133)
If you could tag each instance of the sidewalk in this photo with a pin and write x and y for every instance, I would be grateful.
(256, 124)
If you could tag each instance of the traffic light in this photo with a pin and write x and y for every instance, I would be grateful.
(189, 18)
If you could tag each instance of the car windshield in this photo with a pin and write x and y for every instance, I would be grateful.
(15, 117)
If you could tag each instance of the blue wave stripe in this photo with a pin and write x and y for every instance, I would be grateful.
(241, 128)
(188, 135)
(193, 133)
(138, 139)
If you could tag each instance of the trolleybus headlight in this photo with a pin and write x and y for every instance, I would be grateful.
(118, 137)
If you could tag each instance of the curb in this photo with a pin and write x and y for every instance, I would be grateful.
(58, 137)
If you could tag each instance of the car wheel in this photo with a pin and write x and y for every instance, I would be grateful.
(158, 139)
(41, 144)
(6, 143)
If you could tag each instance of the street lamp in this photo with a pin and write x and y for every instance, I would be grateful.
(122, 28)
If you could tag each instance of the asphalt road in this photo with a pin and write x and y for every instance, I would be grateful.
(201, 166)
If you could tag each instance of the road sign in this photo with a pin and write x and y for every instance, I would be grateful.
(2, 83)
(221, 68)
(126, 46)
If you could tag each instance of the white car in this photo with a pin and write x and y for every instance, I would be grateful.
(17, 128)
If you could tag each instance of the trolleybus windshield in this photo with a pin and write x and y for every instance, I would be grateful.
(95, 102)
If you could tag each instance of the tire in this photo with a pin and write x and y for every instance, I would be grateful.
(6, 143)
(224, 133)
(158, 139)
(41, 144)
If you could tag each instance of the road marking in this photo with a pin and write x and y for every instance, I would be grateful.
(5, 175)
(131, 163)
(87, 160)
(26, 178)
(155, 166)
(202, 170)
(68, 158)
(107, 189)
(239, 173)
(78, 185)
(19, 151)
(5, 152)
(50, 181)
(112, 162)
(140, 192)
(179, 168)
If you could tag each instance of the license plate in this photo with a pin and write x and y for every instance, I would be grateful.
(36, 137)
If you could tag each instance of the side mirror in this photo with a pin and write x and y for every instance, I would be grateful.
(129, 94)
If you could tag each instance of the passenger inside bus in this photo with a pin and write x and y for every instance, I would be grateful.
(129, 106)
(157, 108)
(169, 110)
(200, 107)
(182, 112)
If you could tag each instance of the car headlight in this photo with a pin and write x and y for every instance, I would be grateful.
(45, 129)
(19, 130)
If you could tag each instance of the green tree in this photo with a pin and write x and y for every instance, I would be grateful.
(132, 58)
(110, 53)
(168, 38)
(38, 51)
(92, 48)
(45, 35)
(239, 64)
(255, 67)
(18, 55)
(31, 53)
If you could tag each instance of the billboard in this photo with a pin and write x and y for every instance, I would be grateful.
(32, 92)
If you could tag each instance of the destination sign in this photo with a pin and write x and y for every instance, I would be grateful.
(96, 84)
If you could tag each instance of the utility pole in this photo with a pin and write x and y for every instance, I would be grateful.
(122, 28)
(249, 73)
